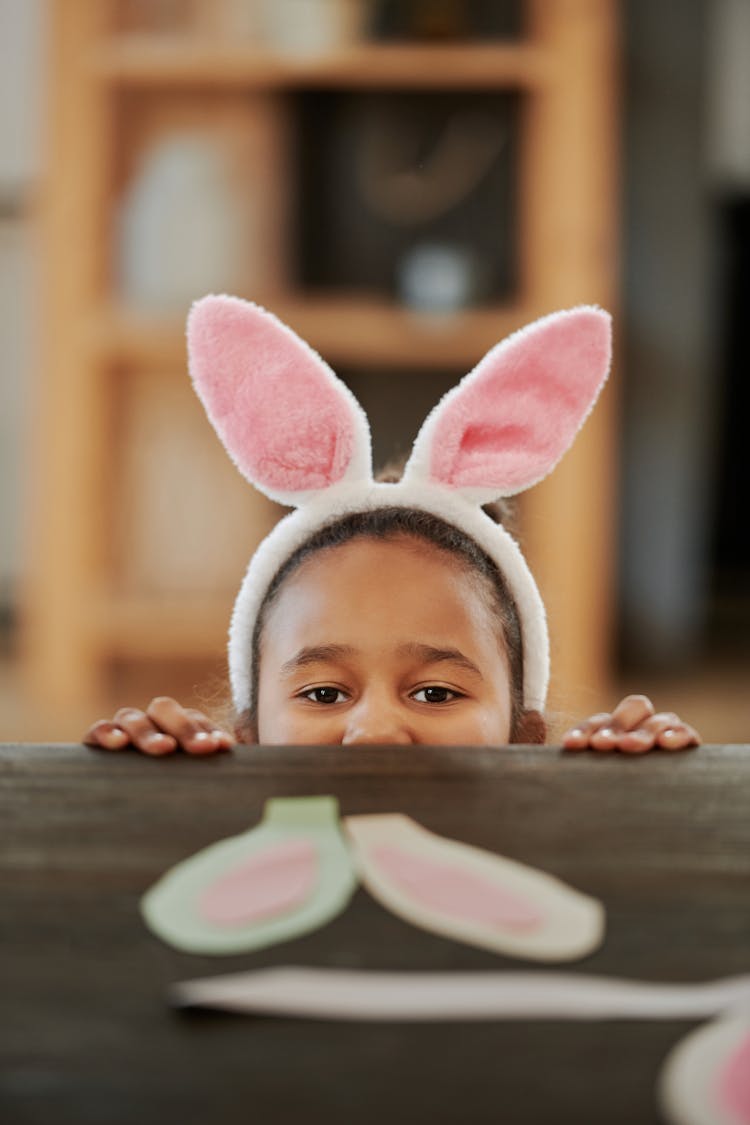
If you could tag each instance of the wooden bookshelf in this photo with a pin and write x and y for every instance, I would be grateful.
(347, 330)
(139, 61)
(79, 612)
(131, 627)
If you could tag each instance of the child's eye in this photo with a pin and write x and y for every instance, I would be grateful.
(325, 695)
(436, 694)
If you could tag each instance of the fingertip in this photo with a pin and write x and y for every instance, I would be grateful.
(603, 740)
(672, 739)
(640, 703)
(116, 738)
(202, 742)
(105, 736)
(158, 744)
(636, 742)
(635, 747)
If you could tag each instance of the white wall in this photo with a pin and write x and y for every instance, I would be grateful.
(21, 75)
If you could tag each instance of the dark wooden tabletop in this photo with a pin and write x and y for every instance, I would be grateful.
(86, 1035)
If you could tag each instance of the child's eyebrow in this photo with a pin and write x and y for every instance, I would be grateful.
(316, 654)
(414, 650)
(429, 654)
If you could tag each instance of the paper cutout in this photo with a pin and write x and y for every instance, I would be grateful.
(734, 1081)
(290, 874)
(271, 882)
(454, 891)
(418, 876)
(705, 1079)
(339, 994)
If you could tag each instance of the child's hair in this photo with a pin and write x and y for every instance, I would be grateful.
(393, 523)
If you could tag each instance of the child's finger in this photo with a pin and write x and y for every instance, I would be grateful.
(677, 735)
(143, 733)
(665, 732)
(605, 738)
(638, 741)
(632, 712)
(106, 735)
(190, 729)
(579, 738)
(632, 728)
(664, 721)
(575, 740)
(624, 729)
(628, 731)
(223, 738)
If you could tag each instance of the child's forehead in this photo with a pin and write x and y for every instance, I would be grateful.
(381, 587)
(401, 568)
(400, 549)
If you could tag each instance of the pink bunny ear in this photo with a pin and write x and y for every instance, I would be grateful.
(287, 422)
(508, 422)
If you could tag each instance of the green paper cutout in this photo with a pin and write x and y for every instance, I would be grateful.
(171, 907)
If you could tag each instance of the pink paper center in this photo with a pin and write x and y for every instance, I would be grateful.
(734, 1082)
(455, 891)
(272, 881)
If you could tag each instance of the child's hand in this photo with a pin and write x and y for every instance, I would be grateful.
(632, 728)
(165, 726)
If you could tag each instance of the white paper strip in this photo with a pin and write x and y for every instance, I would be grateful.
(339, 994)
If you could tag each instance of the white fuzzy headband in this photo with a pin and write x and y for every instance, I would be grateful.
(297, 433)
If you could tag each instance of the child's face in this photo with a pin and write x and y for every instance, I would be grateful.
(383, 642)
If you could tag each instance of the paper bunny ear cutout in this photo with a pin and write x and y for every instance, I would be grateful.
(293, 429)
(296, 432)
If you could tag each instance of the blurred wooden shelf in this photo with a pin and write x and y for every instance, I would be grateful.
(346, 330)
(148, 61)
(98, 441)
(151, 626)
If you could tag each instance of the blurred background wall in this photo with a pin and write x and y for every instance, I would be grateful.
(681, 600)
(684, 550)
(22, 28)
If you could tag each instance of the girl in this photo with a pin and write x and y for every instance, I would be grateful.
(380, 611)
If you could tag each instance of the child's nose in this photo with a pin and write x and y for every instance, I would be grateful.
(374, 721)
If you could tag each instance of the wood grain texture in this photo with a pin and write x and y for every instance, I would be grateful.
(664, 841)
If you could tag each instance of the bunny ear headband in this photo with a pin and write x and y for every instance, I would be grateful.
(297, 433)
